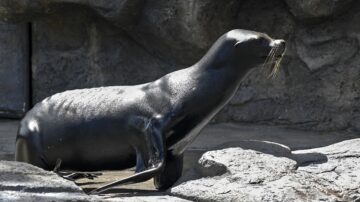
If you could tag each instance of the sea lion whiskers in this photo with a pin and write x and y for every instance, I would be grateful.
(272, 62)
(275, 61)
(276, 67)
(269, 59)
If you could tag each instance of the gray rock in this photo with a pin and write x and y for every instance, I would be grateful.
(6, 196)
(90, 43)
(24, 182)
(254, 176)
(88, 53)
(310, 10)
(342, 166)
(164, 198)
(14, 70)
(325, 54)
(16, 176)
(20, 196)
(8, 130)
(121, 11)
(181, 31)
(243, 96)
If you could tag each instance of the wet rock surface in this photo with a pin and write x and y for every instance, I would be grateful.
(323, 174)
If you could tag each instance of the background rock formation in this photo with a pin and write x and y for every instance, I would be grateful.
(87, 43)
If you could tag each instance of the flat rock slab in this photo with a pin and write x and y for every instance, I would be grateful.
(24, 182)
(17, 176)
(7, 196)
(329, 173)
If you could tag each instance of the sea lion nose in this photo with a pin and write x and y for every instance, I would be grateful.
(280, 43)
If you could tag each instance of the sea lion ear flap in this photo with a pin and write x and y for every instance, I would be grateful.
(237, 44)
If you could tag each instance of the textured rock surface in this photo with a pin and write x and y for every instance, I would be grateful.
(8, 130)
(324, 174)
(121, 11)
(25, 177)
(14, 69)
(86, 52)
(13, 196)
(87, 43)
(313, 10)
(24, 182)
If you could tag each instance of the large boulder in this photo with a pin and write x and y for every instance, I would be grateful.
(325, 174)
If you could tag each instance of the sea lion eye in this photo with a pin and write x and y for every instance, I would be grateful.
(263, 42)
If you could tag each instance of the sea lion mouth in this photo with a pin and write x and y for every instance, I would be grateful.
(275, 57)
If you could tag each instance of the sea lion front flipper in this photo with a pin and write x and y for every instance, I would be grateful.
(157, 161)
(171, 173)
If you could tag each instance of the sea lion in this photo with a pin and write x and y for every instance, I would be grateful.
(147, 125)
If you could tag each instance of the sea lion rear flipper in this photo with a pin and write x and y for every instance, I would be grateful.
(157, 162)
(138, 177)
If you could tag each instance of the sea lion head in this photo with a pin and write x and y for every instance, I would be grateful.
(245, 49)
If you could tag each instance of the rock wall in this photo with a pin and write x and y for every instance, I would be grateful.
(86, 43)
(14, 69)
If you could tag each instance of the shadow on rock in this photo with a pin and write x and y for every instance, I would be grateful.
(278, 150)
(201, 169)
(127, 192)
